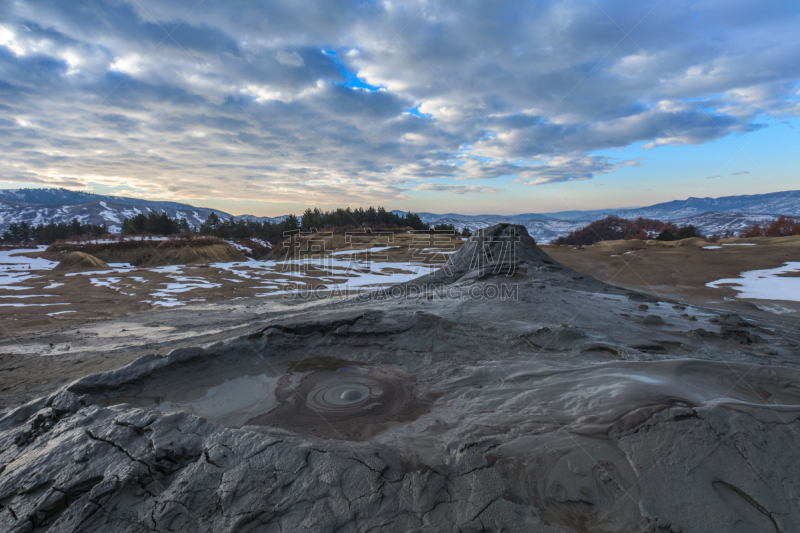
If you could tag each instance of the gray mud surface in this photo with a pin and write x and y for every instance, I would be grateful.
(561, 408)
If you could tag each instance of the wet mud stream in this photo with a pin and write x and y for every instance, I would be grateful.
(593, 398)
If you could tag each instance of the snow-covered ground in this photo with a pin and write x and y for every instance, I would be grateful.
(14, 260)
(241, 247)
(344, 270)
(16, 268)
(29, 305)
(364, 251)
(765, 284)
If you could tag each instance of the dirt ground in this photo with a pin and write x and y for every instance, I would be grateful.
(681, 272)
(48, 299)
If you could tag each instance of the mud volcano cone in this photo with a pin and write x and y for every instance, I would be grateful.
(501, 249)
(75, 261)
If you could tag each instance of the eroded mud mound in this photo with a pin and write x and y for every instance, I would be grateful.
(150, 253)
(503, 249)
(221, 252)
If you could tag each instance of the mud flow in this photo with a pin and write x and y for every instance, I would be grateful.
(592, 399)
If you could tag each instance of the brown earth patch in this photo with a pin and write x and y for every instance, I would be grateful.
(668, 270)
(77, 261)
(151, 253)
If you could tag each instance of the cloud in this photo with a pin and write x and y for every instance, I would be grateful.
(311, 101)
(740, 173)
(293, 59)
(457, 189)
(568, 168)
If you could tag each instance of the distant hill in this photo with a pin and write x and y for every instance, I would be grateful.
(94, 209)
(36, 206)
(274, 220)
(709, 215)
(780, 203)
(431, 218)
(58, 197)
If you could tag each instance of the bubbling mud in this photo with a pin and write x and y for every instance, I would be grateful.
(342, 394)
(352, 403)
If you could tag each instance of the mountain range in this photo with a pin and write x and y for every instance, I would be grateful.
(36, 206)
(709, 215)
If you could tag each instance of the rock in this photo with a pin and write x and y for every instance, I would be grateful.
(740, 335)
(644, 307)
(700, 333)
(733, 320)
(653, 320)
(639, 297)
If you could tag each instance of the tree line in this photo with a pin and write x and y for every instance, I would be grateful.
(614, 227)
(785, 226)
(161, 224)
(23, 233)
(154, 223)
(379, 218)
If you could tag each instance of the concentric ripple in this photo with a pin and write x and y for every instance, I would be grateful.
(349, 403)
(344, 393)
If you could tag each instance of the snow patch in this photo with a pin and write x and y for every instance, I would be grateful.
(765, 284)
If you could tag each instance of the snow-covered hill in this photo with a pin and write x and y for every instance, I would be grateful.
(57, 197)
(546, 230)
(781, 203)
(709, 215)
(273, 220)
(95, 212)
(36, 206)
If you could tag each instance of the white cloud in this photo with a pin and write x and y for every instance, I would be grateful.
(7, 39)
(127, 64)
(457, 189)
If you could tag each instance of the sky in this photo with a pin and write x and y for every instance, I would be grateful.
(463, 107)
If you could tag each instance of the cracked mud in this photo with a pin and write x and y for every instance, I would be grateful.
(560, 409)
